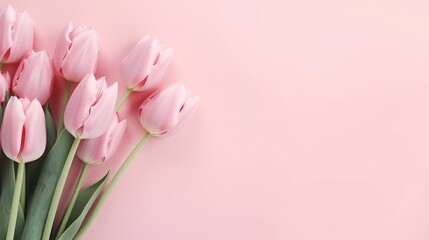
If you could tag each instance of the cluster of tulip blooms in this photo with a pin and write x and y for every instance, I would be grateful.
(37, 152)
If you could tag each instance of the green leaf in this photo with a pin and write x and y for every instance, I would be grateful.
(6, 197)
(7, 187)
(39, 204)
(50, 129)
(34, 168)
(84, 202)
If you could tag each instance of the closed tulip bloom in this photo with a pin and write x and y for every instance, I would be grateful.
(98, 150)
(167, 109)
(146, 64)
(90, 108)
(23, 131)
(33, 78)
(16, 34)
(4, 86)
(76, 53)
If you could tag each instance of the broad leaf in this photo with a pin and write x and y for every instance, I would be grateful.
(84, 202)
(39, 204)
(7, 187)
(6, 198)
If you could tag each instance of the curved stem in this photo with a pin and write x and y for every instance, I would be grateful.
(108, 190)
(63, 107)
(58, 190)
(66, 217)
(123, 99)
(15, 201)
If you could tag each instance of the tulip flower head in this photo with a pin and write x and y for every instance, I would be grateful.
(167, 109)
(4, 86)
(34, 77)
(76, 53)
(16, 35)
(90, 108)
(98, 150)
(146, 64)
(23, 131)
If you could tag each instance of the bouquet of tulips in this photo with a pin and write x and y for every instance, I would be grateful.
(38, 151)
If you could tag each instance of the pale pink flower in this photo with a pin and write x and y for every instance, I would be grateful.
(146, 64)
(98, 150)
(167, 109)
(76, 53)
(90, 108)
(16, 34)
(34, 77)
(23, 131)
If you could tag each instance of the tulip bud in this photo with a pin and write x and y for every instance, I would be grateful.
(76, 52)
(98, 150)
(146, 64)
(33, 78)
(167, 109)
(4, 86)
(90, 108)
(23, 131)
(16, 35)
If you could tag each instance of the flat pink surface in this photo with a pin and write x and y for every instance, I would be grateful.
(313, 124)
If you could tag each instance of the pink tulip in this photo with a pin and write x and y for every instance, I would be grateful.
(76, 52)
(146, 64)
(33, 78)
(4, 86)
(16, 34)
(100, 149)
(90, 108)
(23, 131)
(167, 109)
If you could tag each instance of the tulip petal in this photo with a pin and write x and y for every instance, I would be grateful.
(12, 128)
(82, 57)
(94, 150)
(101, 113)
(98, 150)
(78, 29)
(34, 78)
(35, 132)
(160, 111)
(22, 37)
(158, 70)
(165, 111)
(115, 138)
(172, 100)
(138, 64)
(63, 47)
(184, 115)
(90, 149)
(7, 19)
(78, 108)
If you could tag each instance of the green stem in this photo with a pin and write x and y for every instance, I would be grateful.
(112, 185)
(72, 201)
(22, 197)
(58, 190)
(15, 201)
(63, 107)
(123, 99)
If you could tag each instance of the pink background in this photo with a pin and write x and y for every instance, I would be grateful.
(313, 124)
